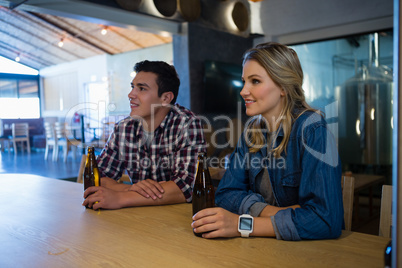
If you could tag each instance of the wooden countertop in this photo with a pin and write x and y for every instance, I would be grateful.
(44, 225)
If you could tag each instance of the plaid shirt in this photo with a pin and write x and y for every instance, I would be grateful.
(171, 155)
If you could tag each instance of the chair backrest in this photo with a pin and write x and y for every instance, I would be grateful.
(233, 135)
(48, 130)
(1, 128)
(106, 131)
(386, 211)
(81, 170)
(59, 130)
(348, 185)
(208, 131)
(20, 130)
(124, 178)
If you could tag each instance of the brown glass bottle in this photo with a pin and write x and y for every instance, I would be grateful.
(91, 172)
(203, 191)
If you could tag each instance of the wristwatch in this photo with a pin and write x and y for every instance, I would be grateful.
(246, 224)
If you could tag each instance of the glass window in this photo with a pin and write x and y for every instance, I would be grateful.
(8, 88)
(350, 80)
(28, 88)
(19, 96)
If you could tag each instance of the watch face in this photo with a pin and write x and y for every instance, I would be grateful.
(246, 224)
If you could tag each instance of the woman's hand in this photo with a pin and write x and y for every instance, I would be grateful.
(215, 222)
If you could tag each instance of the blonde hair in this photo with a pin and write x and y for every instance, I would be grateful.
(283, 67)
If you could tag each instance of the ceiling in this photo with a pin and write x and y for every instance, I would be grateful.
(34, 37)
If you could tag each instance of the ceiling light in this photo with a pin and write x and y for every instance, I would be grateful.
(61, 43)
(17, 59)
(104, 31)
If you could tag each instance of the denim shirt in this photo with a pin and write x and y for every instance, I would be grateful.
(308, 174)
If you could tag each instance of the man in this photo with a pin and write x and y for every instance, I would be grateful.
(157, 145)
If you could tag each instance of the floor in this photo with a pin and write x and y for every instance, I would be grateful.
(35, 163)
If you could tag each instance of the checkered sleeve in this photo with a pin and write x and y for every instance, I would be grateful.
(191, 141)
(109, 162)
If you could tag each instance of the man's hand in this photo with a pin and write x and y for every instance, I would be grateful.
(100, 197)
(215, 222)
(148, 188)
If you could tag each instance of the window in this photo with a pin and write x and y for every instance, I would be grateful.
(19, 96)
(350, 80)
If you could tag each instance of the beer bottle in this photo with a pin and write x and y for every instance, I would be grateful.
(203, 190)
(91, 173)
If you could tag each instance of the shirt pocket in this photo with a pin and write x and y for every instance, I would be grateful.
(290, 184)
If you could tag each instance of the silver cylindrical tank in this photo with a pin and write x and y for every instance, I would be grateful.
(365, 117)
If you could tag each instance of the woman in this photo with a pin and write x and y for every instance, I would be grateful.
(285, 171)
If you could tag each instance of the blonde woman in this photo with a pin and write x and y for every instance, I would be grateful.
(284, 178)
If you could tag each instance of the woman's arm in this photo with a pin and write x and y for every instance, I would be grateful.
(320, 215)
(269, 210)
(218, 222)
(234, 186)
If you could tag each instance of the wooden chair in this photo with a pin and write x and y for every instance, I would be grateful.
(3, 138)
(386, 211)
(348, 185)
(20, 133)
(51, 142)
(234, 134)
(62, 141)
(81, 170)
(123, 178)
(60, 136)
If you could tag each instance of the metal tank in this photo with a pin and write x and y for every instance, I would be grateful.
(365, 114)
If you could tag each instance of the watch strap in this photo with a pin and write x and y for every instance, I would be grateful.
(245, 234)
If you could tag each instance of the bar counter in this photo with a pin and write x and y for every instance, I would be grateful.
(44, 225)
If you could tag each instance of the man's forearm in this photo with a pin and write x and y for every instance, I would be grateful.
(172, 195)
(114, 185)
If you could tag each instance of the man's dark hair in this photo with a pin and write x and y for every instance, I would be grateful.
(167, 77)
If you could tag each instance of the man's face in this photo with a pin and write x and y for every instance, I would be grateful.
(143, 96)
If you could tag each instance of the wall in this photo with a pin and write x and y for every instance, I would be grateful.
(121, 65)
(287, 21)
(295, 21)
(65, 83)
(197, 46)
(68, 81)
(191, 50)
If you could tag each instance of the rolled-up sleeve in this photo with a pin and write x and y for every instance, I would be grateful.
(191, 142)
(109, 162)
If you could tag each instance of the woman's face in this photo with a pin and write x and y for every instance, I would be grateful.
(260, 93)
